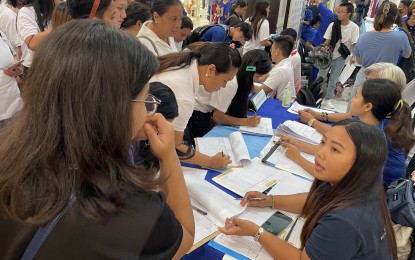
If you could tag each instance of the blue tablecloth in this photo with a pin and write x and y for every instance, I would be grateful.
(271, 108)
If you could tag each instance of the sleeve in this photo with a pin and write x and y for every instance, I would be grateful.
(11, 32)
(166, 237)
(222, 99)
(275, 82)
(186, 108)
(263, 33)
(355, 34)
(327, 34)
(406, 45)
(333, 238)
(26, 23)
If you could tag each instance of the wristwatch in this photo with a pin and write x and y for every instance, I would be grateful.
(310, 123)
(258, 234)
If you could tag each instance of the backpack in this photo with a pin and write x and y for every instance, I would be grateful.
(305, 97)
(315, 87)
(200, 31)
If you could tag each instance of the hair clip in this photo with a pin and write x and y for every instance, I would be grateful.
(250, 68)
(398, 105)
(386, 8)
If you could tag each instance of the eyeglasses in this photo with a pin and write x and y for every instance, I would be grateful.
(151, 104)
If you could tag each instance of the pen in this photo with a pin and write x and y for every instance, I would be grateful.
(222, 153)
(199, 210)
(253, 111)
(291, 230)
(251, 199)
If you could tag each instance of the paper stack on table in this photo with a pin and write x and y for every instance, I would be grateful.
(300, 132)
(264, 128)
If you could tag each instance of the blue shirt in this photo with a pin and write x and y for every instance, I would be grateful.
(308, 33)
(395, 162)
(373, 47)
(226, 10)
(215, 34)
(355, 232)
(326, 17)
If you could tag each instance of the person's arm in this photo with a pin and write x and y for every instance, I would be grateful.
(293, 153)
(161, 137)
(309, 46)
(307, 114)
(33, 41)
(267, 89)
(302, 146)
(222, 118)
(216, 162)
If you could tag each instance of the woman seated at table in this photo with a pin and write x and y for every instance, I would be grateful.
(345, 219)
(229, 105)
(185, 73)
(68, 149)
(374, 101)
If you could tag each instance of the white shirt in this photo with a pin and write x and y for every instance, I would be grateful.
(8, 25)
(295, 60)
(350, 35)
(263, 34)
(220, 100)
(179, 45)
(162, 47)
(185, 85)
(27, 26)
(279, 77)
(10, 101)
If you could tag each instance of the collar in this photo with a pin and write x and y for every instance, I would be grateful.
(283, 62)
(145, 31)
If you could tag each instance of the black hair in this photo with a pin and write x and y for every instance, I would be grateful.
(162, 6)
(285, 44)
(260, 14)
(43, 10)
(240, 3)
(135, 11)
(350, 8)
(80, 9)
(315, 20)
(187, 23)
(245, 78)
(406, 3)
(290, 32)
(245, 28)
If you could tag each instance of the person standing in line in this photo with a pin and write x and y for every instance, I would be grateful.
(260, 27)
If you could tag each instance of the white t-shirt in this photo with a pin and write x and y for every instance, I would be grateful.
(10, 101)
(350, 34)
(295, 60)
(279, 77)
(8, 25)
(221, 99)
(263, 34)
(162, 47)
(185, 85)
(179, 45)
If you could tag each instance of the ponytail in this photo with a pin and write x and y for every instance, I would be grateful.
(177, 60)
(399, 129)
(385, 16)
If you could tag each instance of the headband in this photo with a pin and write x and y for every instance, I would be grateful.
(94, 9)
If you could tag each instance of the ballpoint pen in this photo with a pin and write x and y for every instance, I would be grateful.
(199, 210)
(251, 199)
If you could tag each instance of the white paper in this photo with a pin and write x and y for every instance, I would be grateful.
(347, 71)
(201, 173)
(203, 227)
(290, 184)
(295, 107)
(218, 204)
(256, 177)
(300, 132)
(263, 128)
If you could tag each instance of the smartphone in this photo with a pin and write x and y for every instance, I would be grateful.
(14, 65)
(277, 223)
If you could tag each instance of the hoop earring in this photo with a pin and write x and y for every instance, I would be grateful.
(207, 75)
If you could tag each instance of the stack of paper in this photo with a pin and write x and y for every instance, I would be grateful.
(295, 107)
(256, 177)
(264, 128)
(300, 132)
(234, 146)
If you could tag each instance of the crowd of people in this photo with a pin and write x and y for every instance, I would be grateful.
(100, 102)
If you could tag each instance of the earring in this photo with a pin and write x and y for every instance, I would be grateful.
(207, 75)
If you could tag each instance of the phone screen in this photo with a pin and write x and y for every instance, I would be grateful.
(277, 223)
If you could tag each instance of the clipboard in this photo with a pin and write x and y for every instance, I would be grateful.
(257, 100)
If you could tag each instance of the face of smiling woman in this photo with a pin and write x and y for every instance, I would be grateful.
(335, 156)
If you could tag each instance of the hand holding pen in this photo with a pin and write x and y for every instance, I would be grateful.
(256, 199)
(219, 161)
(253, 121)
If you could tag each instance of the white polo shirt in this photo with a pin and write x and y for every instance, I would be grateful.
(279, 77)
(220, 100)
(26, 26)
(162, 47)
(185, 85)
(10, 101)
(255, 42)
(8, 25)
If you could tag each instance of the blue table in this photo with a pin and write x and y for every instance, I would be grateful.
(271, 108)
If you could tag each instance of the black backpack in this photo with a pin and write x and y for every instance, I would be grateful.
(305, 97)
(315, 87)
(200, 31)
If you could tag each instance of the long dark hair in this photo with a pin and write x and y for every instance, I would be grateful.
(73, 135)
(162, 6)
(385, 16)
(260, 14)
(240, 3)
(361, 185)
(386, 100)
(245, 77)
(205, 54)
(43, 10)
(80, 9)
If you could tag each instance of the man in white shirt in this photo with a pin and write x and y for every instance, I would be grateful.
(283, 73)
(349, 36)
(8, 26)
(294, 58)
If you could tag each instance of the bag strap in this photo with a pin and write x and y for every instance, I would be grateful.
(43, 232)
(152, 43)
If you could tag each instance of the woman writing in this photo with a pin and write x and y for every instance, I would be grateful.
(345, 219)
(184, 73)
(67, 151)
(158, 35)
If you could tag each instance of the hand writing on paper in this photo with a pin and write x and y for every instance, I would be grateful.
(219, 161)
(160, 134)
(253, 121)
(304, 116)
(267, 202)
(239, 227)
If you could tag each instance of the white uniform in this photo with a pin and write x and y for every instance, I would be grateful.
(255, 42)
(279, 77)
(220, 100)
(162, 47)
